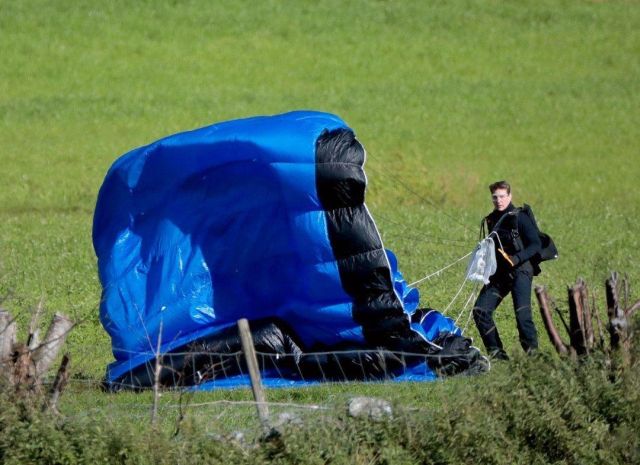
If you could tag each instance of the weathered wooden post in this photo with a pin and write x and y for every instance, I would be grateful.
(33, 337)
(58, 384)
(632, 309)
(7, 341)
(588, 316)
(44, 355)
(552, 332)
(156, 379)
(617, 320)
(23, 369)
(576, 320)
(254, 373)
(596, 314)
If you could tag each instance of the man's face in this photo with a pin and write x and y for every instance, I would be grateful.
(501, 199)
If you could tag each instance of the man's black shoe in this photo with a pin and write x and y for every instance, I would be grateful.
(498, 354)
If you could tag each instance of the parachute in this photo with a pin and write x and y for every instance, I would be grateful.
(260, 218)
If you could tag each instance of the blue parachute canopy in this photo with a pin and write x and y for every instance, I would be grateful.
(260, 218)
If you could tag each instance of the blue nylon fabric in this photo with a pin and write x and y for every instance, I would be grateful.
(201, 228)
(410, 295)
(418, 372)
(434, 323)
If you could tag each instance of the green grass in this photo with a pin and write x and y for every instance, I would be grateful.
(445, 96)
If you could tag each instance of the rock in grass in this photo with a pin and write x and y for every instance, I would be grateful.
(286, 419)
(283, 421)
(370, 407)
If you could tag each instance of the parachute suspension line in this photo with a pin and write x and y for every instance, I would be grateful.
(466, 325)
(455, 297)
(472, 298)
(436, 273)
(464, 306)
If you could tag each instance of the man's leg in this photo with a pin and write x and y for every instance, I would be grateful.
(521, 293)
(489, 298)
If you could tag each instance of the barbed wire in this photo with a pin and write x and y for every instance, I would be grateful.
(222, 419)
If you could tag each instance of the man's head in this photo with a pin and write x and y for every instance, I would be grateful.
(500, 195)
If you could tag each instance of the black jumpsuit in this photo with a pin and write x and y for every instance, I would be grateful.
(516, 279)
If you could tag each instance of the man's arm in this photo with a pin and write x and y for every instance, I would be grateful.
(530, 240)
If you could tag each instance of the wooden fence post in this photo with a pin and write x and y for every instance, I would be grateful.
(552, 332)
(596, 313)
(24, 379)
(59, 384)
(576, 320)
(45, 353)
(617, 320)
(7, 341)
(33, 337)
(588, 315)
(254, 373)
(156, 379)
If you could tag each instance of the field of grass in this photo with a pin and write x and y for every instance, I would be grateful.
(445, 96)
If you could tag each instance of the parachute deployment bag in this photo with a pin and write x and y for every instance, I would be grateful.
(483, 261)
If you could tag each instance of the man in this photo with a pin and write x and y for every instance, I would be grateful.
(517, 241)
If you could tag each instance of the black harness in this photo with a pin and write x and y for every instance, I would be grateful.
(506, 230)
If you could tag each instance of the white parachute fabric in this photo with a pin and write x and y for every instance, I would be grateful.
(483, 261)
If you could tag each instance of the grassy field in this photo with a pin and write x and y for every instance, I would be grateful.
(445, 96)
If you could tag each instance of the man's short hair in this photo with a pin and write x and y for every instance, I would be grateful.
(500, 185)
